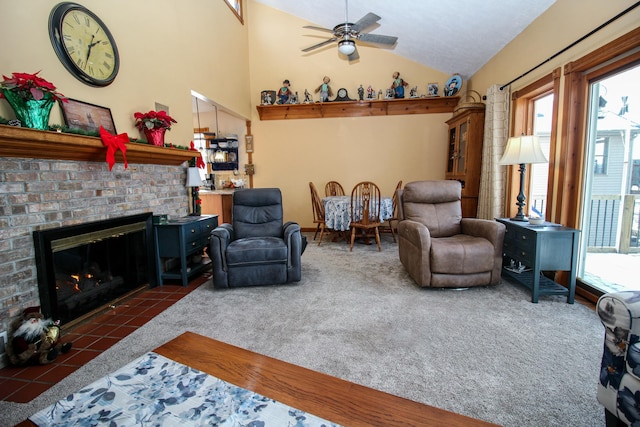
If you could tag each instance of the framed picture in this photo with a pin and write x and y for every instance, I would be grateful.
(248, 140)
(432, 89)
(86, 116)
(268, 97)
(453, 85)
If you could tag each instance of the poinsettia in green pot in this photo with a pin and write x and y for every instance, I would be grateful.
(31, 97)
(154, 124)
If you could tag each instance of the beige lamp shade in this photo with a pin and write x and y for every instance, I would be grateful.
(523, 149)
(193, 177)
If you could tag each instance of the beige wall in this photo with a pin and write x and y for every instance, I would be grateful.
(563, 23)
(290, 153)
(167, 49)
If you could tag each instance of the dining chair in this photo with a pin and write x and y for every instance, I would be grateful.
(394, 212)
(365, 211)
(318, 212)
(333, 188)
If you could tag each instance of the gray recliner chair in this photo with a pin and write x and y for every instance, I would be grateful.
(438, 247)
(257, 248)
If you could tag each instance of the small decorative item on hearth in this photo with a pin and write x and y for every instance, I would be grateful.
(154, 124)
(31, 97)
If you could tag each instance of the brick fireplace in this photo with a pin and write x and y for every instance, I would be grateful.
(71, 184)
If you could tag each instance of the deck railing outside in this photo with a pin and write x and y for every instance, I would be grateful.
(609, 229)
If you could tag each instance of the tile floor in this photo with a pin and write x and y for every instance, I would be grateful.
(89, 339)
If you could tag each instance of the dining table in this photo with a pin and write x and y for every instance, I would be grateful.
(337, 211)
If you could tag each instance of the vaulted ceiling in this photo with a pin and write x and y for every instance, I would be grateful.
(452, 37)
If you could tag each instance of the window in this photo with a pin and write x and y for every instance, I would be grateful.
(600, 156)
(236, 7)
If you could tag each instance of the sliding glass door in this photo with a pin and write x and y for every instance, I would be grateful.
(610, 249)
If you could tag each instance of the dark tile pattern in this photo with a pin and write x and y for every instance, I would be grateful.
(24, 383)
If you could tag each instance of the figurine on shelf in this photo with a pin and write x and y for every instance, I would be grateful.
(371, 93)
(390, 94)
(324, 89)
(398, 85)
(413, 93)
(284, 93)
(361, 93)
(307, 97)
(294, 98)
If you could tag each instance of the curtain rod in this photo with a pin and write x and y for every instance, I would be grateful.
(624, 12)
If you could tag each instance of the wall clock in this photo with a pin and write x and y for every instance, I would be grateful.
(84, 44)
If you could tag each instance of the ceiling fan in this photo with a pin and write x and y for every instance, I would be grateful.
(347, 33)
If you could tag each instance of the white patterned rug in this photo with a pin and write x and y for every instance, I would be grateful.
(154, 390)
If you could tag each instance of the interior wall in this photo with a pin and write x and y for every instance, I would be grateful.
(166, 50)
(290, 153)
(565, 22)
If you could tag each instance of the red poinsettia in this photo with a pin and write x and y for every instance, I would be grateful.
(30, 86)
(154, 120)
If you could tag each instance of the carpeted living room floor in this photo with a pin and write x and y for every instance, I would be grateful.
(485, 352)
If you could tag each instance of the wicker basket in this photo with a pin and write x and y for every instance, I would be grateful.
(470, 101)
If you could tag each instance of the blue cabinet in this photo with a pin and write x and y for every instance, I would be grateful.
(179, 247)
(528, 250)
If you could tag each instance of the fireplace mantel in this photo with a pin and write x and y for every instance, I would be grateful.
(38, 144)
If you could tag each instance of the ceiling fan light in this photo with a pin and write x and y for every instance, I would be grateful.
(347, 47)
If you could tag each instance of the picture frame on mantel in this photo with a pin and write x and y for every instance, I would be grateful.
(86, 116)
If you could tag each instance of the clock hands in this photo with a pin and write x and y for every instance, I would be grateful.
(91, 45)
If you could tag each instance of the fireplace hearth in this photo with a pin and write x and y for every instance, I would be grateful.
(84, 267)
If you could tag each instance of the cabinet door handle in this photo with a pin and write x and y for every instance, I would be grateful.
(193, 230)
(524, 237)
(193, 244)
(523, 253)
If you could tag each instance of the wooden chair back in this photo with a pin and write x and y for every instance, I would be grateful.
(316, 204)
(318, 212)
(365, 210)
(333, 188)
(365, 204)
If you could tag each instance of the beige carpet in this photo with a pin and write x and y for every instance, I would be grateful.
(487, 353)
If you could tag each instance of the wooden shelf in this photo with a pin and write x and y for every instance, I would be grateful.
(39, 144)
(387, 107)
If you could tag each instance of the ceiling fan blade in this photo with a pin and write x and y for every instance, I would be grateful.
(366, 21)
(311, 27)
(378, 39)
(324, 43)
(354, 56)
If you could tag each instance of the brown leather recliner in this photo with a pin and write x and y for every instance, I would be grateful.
(438, 247)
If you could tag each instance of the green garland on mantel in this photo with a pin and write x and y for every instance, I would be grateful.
(94, 133)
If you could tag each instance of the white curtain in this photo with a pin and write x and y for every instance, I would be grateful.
(492, 175)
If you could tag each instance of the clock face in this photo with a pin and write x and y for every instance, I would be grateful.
(84, 44)
(342, 93)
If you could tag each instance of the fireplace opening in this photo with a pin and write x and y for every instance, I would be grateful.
(84, 267)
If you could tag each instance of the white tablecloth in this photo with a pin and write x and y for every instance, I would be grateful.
(337, 211)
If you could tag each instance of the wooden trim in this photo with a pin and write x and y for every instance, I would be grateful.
(238, 14)
(388, 107)
(328, 397)
(609, 51)
(522, 122)
(610, 58)
(39, 144)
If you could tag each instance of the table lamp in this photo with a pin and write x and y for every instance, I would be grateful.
(520, 151)
(194, 181)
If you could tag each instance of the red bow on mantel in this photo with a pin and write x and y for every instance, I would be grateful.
(199, 161)
(113, 144)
